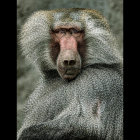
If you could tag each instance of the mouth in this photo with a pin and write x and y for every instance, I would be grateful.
(71, 74)
(68, 73)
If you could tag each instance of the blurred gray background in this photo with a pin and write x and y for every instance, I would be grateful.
(26, 74)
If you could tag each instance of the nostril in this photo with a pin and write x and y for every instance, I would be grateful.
(66, 62)
(69, 62)
(72, 62)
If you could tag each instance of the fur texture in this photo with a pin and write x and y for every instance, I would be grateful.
(88, 107)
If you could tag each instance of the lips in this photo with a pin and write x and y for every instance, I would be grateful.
(70, 72)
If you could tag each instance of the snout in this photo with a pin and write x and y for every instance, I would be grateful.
(69, 64)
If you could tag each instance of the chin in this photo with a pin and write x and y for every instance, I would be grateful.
(69, 77)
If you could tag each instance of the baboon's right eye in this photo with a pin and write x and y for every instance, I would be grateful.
(56, 31)
(59, 32)
(62, 31)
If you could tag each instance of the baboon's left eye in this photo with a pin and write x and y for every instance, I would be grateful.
(74, 31)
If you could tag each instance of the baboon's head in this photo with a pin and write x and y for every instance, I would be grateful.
(67, 40)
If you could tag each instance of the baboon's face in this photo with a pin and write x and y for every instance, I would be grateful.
(67, 49)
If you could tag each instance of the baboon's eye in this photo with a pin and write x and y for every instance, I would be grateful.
(59, 32)
(75, 32)
(62, 31)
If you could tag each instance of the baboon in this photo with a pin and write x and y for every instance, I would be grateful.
(80, 91)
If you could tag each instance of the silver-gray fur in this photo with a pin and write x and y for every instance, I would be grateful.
(88, 107)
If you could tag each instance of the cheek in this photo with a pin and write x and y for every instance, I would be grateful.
(55, 49)
(82, 50)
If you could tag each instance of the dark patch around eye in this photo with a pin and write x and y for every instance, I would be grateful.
(55, 49)
(82, 49)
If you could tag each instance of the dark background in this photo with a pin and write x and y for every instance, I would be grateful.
(26, 74)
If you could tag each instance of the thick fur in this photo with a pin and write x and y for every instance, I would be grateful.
(91, 105)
